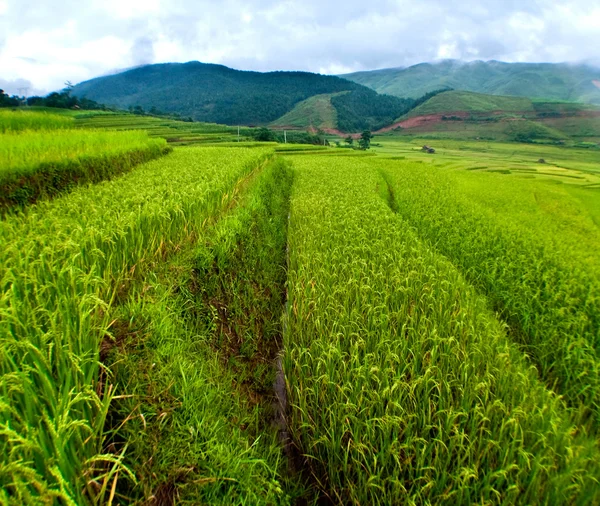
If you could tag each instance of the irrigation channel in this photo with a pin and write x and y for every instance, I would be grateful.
(227, 290)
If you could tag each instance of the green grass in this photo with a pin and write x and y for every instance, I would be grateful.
(314, 112)
(404, 387)
(563, 164)
(38, 164)
(63, 266)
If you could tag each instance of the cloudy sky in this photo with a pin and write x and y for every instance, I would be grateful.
(44, 43)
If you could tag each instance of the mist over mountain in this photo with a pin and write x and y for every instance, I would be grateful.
(558, 81)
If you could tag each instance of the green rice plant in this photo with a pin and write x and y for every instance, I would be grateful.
(404, 388)
(19, 120)
(199, 426)
(534, 256)
(62, 267)
(37, 164)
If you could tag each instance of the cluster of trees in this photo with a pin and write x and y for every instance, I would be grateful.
(293, 137)
(10, 101)
(364, 142)
(60, 99)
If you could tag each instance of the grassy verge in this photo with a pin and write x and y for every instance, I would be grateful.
(544, 283)
(404, 388)
(62, 266)
(40, 164)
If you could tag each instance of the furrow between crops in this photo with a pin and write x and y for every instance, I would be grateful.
(200, 426)
(65, 263)
(547, 291)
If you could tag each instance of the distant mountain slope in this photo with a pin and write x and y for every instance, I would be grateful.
(218, 94)
(472, 103)
(544, 80)
(314, 112)
(211, 93)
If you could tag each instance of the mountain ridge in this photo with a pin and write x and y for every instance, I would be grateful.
(560, 81)
(218, 94)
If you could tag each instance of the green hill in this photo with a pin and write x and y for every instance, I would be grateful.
(314, 112)
(544, 80)
(472, 103)
(218, 94)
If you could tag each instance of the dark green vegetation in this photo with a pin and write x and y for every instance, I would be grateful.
(558, 81)
(58, 99)
(218, 94)
(364, 109)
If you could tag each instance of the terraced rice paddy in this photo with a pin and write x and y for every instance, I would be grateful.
(175, 132)
(42, 155)
(253, 324)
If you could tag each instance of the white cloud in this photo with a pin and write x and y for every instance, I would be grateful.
(50, 42)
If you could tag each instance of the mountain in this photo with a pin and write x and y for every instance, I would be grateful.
(218, 94)
(557, 81)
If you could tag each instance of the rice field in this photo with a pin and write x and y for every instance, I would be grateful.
(64, 264)
(404, 385)
(36, 164)
(19, 120)
(248, 323)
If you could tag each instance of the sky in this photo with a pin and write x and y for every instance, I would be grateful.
(44, 44)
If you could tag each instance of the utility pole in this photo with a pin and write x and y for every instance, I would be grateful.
(284, 137)
(24, 92)
(238, 133)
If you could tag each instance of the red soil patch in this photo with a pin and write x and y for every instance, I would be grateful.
(418, 121)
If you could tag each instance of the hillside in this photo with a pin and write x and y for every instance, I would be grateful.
(218, 94)
(314, 112)
(468, 115)
(545, 80)
(472, 103)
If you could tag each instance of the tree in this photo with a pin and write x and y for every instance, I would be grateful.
(264, 135)
(349, 140)
(365, 140)
(6, 101)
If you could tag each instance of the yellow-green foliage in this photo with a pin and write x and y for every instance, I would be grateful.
(211, 321)
(22, 154)
(16, 121)
(544, 280)
(62, 265)
(404, 388)
(35, 164)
